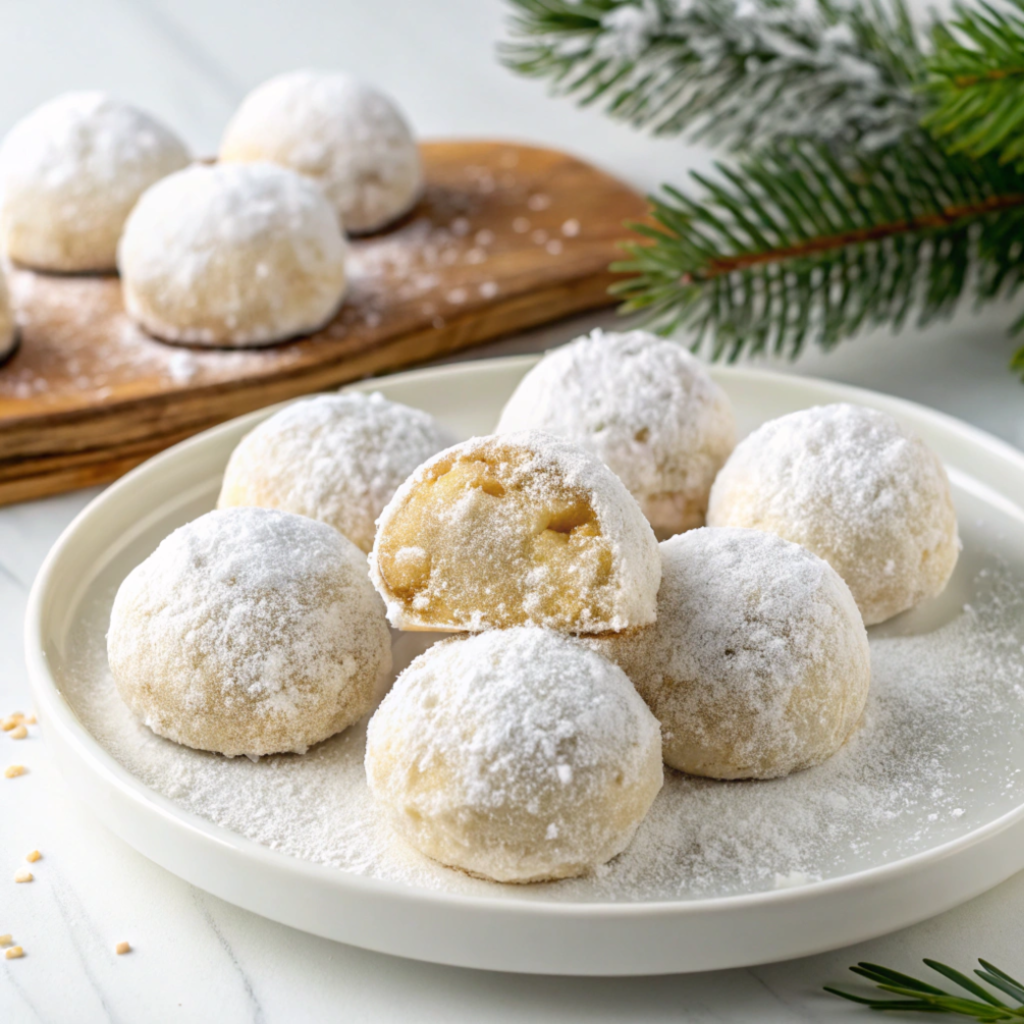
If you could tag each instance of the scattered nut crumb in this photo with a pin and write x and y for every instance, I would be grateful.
(30, 720)
(12, 721)
(6, 940)
(121, 948)
(14, 771)
(19, 733)
(14, 952)
(23, 876)
(33, 856)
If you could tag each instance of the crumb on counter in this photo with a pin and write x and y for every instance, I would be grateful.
(14, 771)
(19, 732)
(14, 953)
(121, 948)
(33, 856)
(6, 940)
(23, 876)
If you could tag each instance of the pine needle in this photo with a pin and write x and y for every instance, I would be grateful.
(976, 81)
(878, 184)
(791, 246)
(739, 73)
(920, 996)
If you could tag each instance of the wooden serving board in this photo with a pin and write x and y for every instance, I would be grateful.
(506, 237)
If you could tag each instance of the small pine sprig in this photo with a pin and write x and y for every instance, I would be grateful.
(921, 996)
(976, 81)
(791, 245)
(737, 72)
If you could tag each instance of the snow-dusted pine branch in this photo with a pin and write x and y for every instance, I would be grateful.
(876, 183)
(738, 71)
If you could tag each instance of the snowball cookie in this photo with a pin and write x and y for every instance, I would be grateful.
(520, 529)
(517, 755)
(758, 664)
(336, 458)
(249, 631)
(347, 136)
(232, 255)
(70, 173)
(8, 325)
(646, 406)
(854, 487)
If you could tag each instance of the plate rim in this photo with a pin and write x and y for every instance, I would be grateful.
(58, 715)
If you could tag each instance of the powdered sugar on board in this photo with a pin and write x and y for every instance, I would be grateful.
(941, 753)
(457, 252)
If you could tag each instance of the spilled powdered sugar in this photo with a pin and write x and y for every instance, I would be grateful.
(81, 348)
(65, 361)
(940, 752)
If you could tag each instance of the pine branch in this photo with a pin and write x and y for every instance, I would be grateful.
(976, 81)
(921, 996)
(752, 71)
(792, 246)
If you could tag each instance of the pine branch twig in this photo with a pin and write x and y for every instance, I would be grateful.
(753, 71)
(923, 997)
(976, 81)
(844, 213)
(791, 246)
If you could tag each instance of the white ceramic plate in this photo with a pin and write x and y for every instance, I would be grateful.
(907, 864)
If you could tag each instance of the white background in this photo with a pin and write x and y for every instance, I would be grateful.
(196, 958)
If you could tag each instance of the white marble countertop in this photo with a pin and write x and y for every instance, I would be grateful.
(195, 957)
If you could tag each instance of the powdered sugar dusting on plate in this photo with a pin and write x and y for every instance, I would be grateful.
(941, 751)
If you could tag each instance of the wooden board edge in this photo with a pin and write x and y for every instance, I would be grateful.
(47, 472)
(63, 432)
